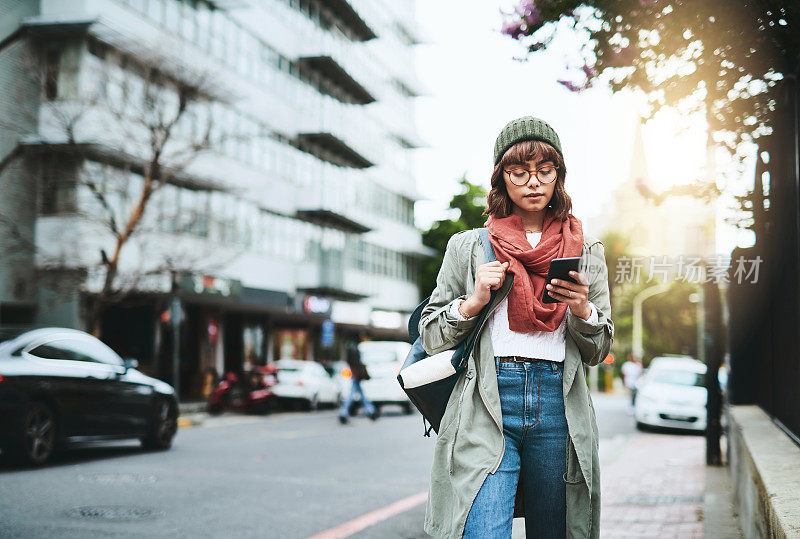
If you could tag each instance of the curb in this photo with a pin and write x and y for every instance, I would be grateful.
(189, 420)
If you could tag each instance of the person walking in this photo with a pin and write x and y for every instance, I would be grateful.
(631, 371)
(519, 435)
(358, 373)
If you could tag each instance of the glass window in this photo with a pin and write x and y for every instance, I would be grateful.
(156, 10)
(74, 349)
(677, 377)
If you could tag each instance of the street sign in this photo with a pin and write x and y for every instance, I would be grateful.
(327, 332)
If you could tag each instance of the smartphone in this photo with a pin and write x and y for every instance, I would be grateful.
(559, 269)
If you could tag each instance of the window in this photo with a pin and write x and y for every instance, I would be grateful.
(52, 66)
(58, 186)
(86, 349)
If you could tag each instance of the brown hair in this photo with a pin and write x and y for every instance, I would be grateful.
(499, 204)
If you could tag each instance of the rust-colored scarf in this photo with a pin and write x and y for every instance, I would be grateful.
(560, 239)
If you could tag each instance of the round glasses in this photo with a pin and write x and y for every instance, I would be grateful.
(520, 176)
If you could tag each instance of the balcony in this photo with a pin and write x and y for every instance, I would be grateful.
(329, 278)
(330, 218)
(330, 70)
(329, 147)
(350, 17)
(327, 204)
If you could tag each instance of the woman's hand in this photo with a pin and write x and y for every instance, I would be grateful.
(576, 296)
(488, 277)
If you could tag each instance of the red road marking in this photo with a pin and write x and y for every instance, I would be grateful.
(364, 521)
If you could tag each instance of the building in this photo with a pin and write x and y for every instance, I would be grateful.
(659, 226)
(293, 231)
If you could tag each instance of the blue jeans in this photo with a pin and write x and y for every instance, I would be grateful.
(535, 430)
(344, 410)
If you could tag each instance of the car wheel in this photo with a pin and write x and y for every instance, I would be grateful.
(641, 426)
(163, 426)
(37, 439)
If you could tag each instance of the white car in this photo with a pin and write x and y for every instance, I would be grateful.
(383, 360)
(672, 393)
(307, 382)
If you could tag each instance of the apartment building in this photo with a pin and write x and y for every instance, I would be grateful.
(291, 231)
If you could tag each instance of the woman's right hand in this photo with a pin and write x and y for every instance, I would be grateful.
(488, 277)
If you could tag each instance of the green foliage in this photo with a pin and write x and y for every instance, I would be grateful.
(717, 56)
(470, 203)
(670, 319)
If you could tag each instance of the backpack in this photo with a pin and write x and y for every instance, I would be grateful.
(429, 380)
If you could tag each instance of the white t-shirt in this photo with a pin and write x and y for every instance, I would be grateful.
(630, 373)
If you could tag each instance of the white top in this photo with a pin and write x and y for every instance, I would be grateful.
(536, 344)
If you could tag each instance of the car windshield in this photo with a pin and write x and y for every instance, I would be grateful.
(289, 369)
(378, 356)
(678, 378)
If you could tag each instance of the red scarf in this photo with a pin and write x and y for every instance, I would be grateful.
(560, 239)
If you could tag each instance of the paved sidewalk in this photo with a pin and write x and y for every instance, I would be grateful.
(655, 487)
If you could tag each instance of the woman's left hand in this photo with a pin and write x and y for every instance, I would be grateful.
(576, 296)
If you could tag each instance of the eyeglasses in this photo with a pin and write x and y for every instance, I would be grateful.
(521, 176)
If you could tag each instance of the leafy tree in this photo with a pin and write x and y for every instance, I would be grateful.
(734, 62)
(470, 203)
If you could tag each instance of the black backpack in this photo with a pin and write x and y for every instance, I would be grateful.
(429, 380)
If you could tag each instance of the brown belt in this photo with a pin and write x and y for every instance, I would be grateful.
(520, 359)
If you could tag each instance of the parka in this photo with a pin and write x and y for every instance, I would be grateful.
(470, 443)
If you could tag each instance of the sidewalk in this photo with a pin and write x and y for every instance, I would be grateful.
(660, 486)
(655, 487)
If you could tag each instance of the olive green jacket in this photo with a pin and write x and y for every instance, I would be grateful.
(470, 443)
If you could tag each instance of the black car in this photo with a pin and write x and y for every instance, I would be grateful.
(61, 385)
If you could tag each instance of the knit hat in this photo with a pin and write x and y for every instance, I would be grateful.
(525, 128)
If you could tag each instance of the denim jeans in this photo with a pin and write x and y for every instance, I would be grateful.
(344, 410)
(535, 430)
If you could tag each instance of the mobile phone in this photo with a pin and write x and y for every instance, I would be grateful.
(559, 269)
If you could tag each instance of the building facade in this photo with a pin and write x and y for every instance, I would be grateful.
(288, 231)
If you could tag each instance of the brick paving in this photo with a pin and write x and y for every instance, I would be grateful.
(654, 487)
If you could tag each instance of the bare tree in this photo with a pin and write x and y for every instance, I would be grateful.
(156, 125)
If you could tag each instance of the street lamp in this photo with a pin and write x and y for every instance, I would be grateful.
(638, 350)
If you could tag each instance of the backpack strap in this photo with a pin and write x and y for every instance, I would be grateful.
(483, 232)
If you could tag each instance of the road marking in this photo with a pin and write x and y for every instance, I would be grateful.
(364, 521)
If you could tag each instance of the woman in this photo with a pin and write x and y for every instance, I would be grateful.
(519, 435)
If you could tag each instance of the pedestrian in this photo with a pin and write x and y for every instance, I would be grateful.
(358, 373)
(519, 436)
(631, 370)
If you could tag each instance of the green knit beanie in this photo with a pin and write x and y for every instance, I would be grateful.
(525, 128)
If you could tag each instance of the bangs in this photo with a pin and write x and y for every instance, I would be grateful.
(529, 150)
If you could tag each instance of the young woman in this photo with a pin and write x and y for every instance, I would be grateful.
(519, 435)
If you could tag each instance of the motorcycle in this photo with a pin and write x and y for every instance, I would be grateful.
(249, 393)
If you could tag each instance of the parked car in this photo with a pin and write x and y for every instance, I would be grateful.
(383, 360)
(305, 382)
(672, 393)
(61, 385)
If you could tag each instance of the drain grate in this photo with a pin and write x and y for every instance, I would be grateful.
(114, 513)
(656, 500)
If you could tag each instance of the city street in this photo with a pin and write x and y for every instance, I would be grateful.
(299, 474)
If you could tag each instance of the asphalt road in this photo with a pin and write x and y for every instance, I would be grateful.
(288, 475)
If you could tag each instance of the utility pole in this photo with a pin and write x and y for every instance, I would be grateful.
(175, 318)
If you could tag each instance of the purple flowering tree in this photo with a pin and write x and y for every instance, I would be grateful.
(736, 62)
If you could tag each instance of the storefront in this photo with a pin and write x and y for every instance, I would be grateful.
(226, 327)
